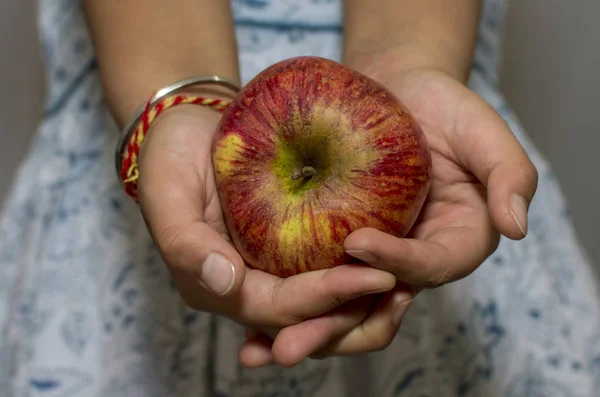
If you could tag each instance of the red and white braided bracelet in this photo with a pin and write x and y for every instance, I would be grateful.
(135, 131)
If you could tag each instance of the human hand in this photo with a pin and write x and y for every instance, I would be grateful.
(180, 204)
(482, 184)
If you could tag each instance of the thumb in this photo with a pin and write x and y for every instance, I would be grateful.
(175, 188)
(497, 159)
(197, 255)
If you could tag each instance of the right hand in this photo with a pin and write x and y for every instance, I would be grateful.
(179, 202)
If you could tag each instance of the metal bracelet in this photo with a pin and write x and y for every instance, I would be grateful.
(131, 125)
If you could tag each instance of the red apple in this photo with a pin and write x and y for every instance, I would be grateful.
(310, 151)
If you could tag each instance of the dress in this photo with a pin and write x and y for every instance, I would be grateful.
(87, 308)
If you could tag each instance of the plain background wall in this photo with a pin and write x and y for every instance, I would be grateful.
(550, 76)
(21, 84)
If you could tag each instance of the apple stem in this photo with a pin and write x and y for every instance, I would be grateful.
(305, 172)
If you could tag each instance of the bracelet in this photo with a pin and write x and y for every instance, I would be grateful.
(135, 130)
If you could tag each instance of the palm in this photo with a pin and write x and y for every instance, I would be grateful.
(190, 147)
(456, 211)
(212, 211)
(457, 198)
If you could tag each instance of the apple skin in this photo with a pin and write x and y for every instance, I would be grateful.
(371, 163)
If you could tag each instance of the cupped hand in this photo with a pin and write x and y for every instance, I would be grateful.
(180, 204)
(482, 184)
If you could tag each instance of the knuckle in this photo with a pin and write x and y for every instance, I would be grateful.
(171, 243)
(325, 287)
(441, 270)
(279, 303)
(274, 298)
(397, 266)
(382, 342)
(398, 270)
(434, 279)
(529, 172)
(441, 278)
(378, 341)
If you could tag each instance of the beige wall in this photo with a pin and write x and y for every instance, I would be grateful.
(21, 84)
(551, 77)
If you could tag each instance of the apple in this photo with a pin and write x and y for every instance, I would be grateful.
(310, 151)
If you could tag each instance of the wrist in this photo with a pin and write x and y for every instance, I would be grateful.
(123, 110)
(385, 64)
(204, 118)
(188, 97)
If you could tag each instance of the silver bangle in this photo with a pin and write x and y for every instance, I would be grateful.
(131, 125)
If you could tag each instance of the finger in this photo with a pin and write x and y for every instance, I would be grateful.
(256, 351)
(485, 145)
(270, 301)
(447, 255)
(295, 343)
(173, 191)
(250, 333)
(271, 332)
(377, 331)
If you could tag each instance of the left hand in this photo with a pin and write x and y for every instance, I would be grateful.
(483, 182)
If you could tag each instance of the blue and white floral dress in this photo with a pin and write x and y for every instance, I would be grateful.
(87, 307)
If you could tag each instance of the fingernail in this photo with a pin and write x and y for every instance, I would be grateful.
(518, 210)
(403, 300)
(218, 274)
(363, 255)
